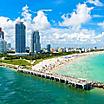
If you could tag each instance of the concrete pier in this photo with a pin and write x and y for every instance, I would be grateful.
(71, 81)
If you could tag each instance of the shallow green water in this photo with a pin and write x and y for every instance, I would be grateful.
(90, 68)
(18, 88)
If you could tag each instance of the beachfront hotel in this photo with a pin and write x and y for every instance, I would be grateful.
(49, 47)
(20, 40)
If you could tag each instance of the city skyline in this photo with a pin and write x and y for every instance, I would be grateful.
(62, 23)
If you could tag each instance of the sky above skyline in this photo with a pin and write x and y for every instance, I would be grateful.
(63, 23)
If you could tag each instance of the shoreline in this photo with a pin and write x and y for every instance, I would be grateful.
(13, 67)
(61, 61)
(51, 65)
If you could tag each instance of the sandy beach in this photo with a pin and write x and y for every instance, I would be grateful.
(50, 65)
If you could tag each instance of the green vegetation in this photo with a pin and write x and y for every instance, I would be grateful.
(37, 61)
(26, 60)
(36, 56)
(16, 62)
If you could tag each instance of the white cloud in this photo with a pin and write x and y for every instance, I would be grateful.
(27, 16)
(6, 22)
(101, 24)
(41, 21)
(97, 16)
(95, 2)
(78, 17)
(46, 10)
(8, 27)
(66, 37)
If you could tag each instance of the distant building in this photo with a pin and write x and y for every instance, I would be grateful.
(27, 49)
(49, 48)
(3, 44)
(83, 50)
(60, 50)
(1, 33)
(66, 50)
(35, 42)
(52, 50)
(32, 42)
(20, 37)
(8, 46)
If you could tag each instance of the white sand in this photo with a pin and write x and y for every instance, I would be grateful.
(49, 65)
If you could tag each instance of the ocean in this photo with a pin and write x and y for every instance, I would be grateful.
(88, 67)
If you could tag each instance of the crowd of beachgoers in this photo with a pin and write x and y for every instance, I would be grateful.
(47, 66)
(50, 64)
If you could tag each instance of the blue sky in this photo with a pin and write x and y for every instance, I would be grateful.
(63, 23)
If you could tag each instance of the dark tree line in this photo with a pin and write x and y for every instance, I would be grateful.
(36, 56)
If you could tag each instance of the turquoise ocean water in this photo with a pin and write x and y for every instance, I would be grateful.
(18, 88)
(88, 67)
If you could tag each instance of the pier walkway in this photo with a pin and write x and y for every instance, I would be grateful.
(71, 81)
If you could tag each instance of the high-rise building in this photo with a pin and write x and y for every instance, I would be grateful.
(1, 33)
(35, 42)
(48, 47)
(20, 37)
(32, 42)
(3, 44)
